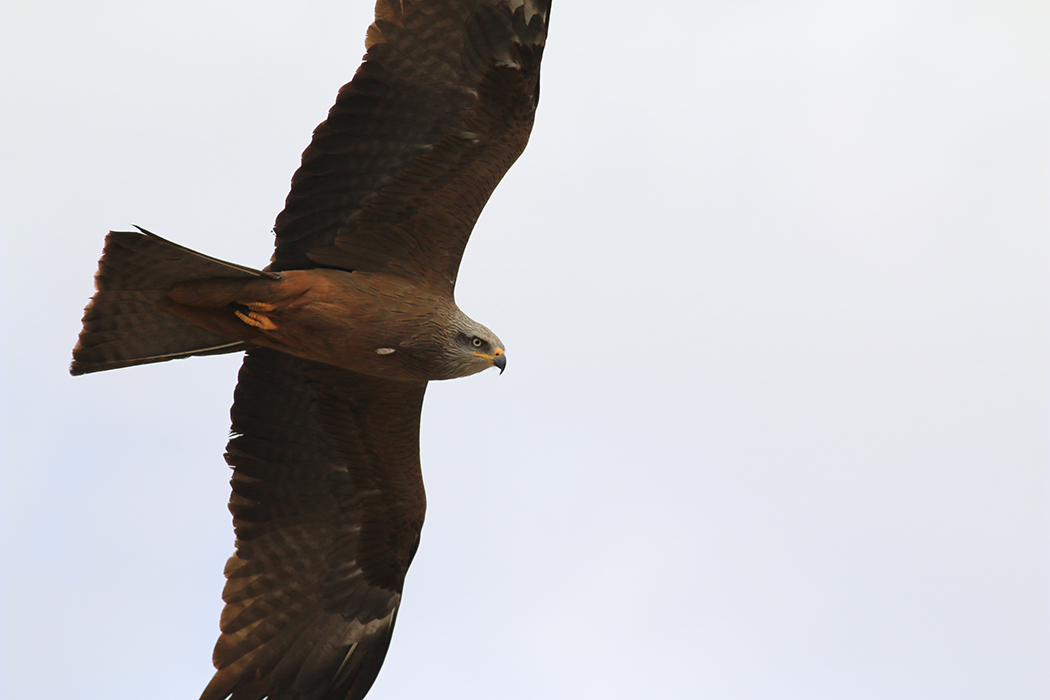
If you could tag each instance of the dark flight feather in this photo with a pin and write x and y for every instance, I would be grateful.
(396, 177)
(328, 504)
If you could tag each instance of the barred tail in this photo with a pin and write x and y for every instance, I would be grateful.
(122, 325)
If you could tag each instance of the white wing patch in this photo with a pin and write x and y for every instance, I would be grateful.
(384, 351)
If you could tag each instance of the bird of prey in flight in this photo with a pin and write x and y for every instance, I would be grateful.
(341, 333)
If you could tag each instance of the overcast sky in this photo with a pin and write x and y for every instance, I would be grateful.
(773, 282)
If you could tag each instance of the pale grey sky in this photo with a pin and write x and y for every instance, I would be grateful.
(773, 282)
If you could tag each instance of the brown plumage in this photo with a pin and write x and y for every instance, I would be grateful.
(343, 330)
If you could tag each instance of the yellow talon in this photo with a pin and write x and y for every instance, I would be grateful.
(253, 318)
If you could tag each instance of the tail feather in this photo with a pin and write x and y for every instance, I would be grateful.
(122, 324)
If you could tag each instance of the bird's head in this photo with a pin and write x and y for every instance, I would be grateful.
(471, 348)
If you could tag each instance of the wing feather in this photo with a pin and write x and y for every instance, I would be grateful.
(328, 504)
(396, 177)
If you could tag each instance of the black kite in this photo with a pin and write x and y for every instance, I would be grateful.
(342, 332)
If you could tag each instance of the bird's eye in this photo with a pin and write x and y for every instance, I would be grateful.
(477, 342)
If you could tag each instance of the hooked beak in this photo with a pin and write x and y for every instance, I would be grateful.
(497, 358)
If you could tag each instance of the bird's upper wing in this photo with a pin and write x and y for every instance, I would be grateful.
(396, 177)
(328, 503)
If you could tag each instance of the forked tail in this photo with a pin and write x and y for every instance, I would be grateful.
(122, 325)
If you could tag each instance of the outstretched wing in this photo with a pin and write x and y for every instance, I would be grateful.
(327, 503)
(396, 177)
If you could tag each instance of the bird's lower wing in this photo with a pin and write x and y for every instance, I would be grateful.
(328, 503)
